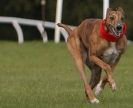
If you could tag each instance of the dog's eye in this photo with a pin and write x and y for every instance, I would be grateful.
(112, 18)
(122, 18)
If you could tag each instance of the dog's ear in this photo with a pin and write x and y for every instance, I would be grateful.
(108, 11)
(120, 9)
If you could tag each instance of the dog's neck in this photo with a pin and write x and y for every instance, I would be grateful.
(105, 33)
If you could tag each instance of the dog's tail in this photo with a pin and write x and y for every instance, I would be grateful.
(69, 31)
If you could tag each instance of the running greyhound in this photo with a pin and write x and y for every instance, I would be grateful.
(99, 44)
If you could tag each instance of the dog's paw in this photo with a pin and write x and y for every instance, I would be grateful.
(98, 88)
(94, 101)
(98, 91)
(114, 86)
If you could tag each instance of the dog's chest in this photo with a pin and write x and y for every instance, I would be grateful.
(111, 54)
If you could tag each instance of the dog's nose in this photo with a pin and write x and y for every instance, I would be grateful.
(119, 27)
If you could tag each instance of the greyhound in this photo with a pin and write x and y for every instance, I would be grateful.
(98, 44)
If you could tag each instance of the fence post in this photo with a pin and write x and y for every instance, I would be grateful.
(105, 7)
(64, 33)
(19, 31)
(58, 19)
(42, 32)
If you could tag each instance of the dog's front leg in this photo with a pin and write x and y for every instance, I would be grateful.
(107, 69)
(121, 46)
(93, 58)
(100, 86)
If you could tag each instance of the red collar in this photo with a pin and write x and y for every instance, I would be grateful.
(109, 37)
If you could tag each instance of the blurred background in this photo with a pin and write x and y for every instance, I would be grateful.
(74, 11)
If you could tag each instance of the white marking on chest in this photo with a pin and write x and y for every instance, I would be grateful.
(111, 54)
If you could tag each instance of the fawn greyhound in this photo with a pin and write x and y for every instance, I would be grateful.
(99, 44)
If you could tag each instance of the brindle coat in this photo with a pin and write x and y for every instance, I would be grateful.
(87, 47)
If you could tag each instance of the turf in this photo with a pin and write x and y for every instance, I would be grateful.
(37, 75)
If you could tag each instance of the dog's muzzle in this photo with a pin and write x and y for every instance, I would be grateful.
(116, 30)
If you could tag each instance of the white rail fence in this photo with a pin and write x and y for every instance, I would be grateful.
(17, 22)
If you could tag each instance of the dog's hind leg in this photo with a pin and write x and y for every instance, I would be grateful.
(95, 73)
(95, 76)
(73, 45)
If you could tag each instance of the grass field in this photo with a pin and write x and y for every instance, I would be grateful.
(37, 75)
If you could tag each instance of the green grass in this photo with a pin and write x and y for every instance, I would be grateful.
(37, 75)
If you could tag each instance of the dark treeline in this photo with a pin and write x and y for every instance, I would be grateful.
(74, 11)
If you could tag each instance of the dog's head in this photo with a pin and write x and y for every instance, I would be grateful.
(114, 21)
